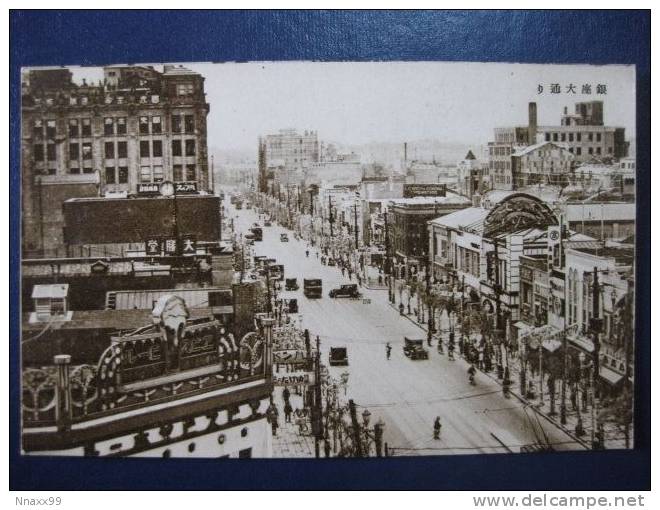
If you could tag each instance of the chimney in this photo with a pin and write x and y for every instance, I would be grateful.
(405, 153)
(531, 129)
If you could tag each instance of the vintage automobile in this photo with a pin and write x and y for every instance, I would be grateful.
(349, 290)
(313, 288)
(284, 238)
(338, 356)
(292, 305)
(414, 348)
(291, 284)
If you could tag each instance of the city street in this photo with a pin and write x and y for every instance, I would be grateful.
(406, 394)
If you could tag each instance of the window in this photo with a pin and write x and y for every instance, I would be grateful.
(145, 174)
(74, 170)
(122, 150)
(591, 137)
(83, 100)
(74, 151)
(176, 123)
(87, 127)
(158, 174)
(245, 453)
(563, 137)
(156, 126)
(578, 137)
(598, 137)
(184, 89)
(38, 129)
(547, 137)
(88, 170)
(38, 152)
(108, 126)
(190, 147)
(123, 174)
(73, 128)
(178, 172)
(144, 125)
(109, 150)
(578, 151)
(51, 152)
(570, 137)
(190, 123)
(176, 147)
(51, 129)
(591, 150)
(598, 150)
(109, 175)
(555, 136)
(121, 125)
(191, 174)
(144, 148)
(87, 150)
(158, 149)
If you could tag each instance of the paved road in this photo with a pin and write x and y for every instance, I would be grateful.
(407, 394)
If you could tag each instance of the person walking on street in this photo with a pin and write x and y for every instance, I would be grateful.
(388, 350)
(286, 394)
(359, 279)
(437, 426)
(287, 412)
(343, 270)
(307, 253)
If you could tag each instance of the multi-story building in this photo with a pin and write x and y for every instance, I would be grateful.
(408, 217)
(470, 173)
(284, 156)
(79, 140)
(541, 163)
(583, 133)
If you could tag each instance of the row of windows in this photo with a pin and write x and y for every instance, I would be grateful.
(116, 175)
(155, 173)
(115, 126)
(572, 137)
(120, 150)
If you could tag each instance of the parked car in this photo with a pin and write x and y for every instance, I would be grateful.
(292, 306)
(284, 238)
(349, 290)
(414, 348)
(291, 284)
(338, 356)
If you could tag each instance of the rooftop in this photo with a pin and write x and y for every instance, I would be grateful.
(532, 148)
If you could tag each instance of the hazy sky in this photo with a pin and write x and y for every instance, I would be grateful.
(356, 103)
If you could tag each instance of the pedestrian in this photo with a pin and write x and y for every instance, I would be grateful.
(343, 271)
(350, 275)
(388, 350)
(287, 412)
(307, 253)
(286, 394)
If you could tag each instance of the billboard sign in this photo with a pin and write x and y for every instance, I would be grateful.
(293, 378)
(424, 190)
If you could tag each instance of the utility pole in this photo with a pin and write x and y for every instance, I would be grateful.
(388, 263)
(330, 219)
(356, 223)
(318, 405)
(431, 321)
(356, 429)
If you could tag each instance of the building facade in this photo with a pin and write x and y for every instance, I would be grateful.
(138, 126)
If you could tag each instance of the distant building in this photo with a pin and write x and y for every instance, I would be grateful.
(470, 172)
(283, 156)
(541, 163)
(408, 218)
(81, 140)
(583, 133)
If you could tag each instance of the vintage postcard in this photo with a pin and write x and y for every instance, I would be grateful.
(308, 259)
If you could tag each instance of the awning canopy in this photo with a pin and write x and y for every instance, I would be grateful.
(610, 376)
(582, 343)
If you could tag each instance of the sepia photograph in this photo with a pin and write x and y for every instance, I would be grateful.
(327, 259)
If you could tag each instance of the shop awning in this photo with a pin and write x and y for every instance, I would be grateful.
(582, 343)
(610, 376)
(551, 344)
